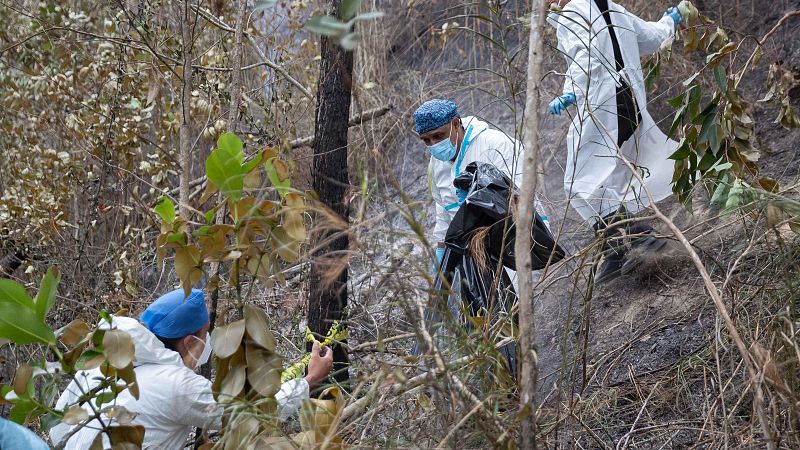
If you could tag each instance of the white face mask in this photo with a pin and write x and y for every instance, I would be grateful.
(206, 353)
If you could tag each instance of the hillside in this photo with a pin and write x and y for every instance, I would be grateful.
(646, 361)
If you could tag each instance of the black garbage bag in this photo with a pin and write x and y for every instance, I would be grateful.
(487, 208)
(478, 289)
(487, 205)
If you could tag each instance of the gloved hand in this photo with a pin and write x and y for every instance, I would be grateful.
(439, 257)
(461, 194)
(675, 14)
(562, 102)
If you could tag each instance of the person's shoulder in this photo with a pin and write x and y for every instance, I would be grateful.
(491, 137)
(578, 6)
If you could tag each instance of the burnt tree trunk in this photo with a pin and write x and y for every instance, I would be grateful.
(327, 299)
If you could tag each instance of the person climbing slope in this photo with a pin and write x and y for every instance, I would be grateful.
(602, 44)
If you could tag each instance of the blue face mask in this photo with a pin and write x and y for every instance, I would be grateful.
(444, 150)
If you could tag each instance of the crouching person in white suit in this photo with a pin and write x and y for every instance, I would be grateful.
(171, 341)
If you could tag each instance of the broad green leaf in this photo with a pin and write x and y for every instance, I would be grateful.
(327, 26)
(350, 41)
(13, 292)
(263, 370)
(103, 398)
(232, 146)
(165, 209)
(226, 339)
(721, 77)
(48, 421)
(681, 153)
(349, 8)
(250, 165)
(23, 411)
(89, 360)
(677, 121)
(224, 166)
(677, 101)
(233, 383)
(46, 297)
(257, 326)
(118, 348)
(20, 325)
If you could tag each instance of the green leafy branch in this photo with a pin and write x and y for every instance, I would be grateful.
(23, 322)
(715, 126)
(341, 28)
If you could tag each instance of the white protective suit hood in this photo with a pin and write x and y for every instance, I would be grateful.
(597, 180)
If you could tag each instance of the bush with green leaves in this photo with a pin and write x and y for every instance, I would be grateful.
(73, 348)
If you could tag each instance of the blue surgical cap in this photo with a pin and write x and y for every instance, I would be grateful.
(434, 114)
(174, 316)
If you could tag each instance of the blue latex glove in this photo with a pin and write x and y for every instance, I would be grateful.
(462, 195)
(675, 14)
(562, 102)
(439, 257)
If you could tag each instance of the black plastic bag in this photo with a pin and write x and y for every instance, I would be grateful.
(487, 205)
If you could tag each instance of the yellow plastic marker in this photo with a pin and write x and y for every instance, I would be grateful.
(335, 334)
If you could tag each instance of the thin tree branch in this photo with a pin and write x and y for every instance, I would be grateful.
(266, 61)
(780, 23)
(525, 214)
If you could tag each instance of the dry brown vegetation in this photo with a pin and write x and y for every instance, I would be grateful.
(90, 139)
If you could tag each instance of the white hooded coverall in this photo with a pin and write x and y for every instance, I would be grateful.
(172, 398)
(597, 181)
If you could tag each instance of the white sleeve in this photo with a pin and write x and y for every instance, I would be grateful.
(574, 41)
(650, 35)
(195, 404)
(442, 217)
(442, 224)
(290, 397)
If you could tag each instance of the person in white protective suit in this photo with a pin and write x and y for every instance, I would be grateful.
(602, 44)
(453, 142)
(171, 341)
